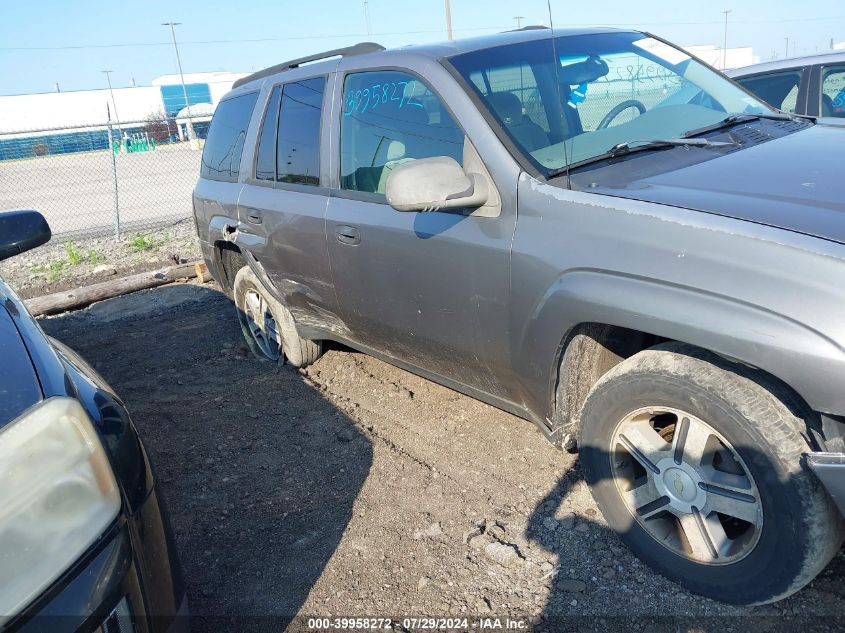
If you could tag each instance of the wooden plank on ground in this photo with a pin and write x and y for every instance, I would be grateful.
(85, 296)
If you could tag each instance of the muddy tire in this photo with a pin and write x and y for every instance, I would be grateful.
(268, 326)
(696, 463)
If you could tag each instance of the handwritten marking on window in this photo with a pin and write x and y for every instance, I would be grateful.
(393, 94)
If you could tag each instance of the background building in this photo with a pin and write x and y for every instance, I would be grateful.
(62, 122)
(722, 58)
(78, 121)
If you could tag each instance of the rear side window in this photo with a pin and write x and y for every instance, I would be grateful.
(390, 117)
(298, 146)
(221, 158)
(778, 89)
(833, 92)
(265, 162)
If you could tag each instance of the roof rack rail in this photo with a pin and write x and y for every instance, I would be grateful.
(358, 49)
(529, 27)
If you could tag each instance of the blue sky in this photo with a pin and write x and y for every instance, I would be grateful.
(47, 41)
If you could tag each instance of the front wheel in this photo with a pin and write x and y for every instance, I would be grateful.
(268, 326)
(698, 468)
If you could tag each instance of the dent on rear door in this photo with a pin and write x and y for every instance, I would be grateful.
(286, 206)
(294, 253)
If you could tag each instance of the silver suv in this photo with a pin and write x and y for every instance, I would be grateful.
(589, 229)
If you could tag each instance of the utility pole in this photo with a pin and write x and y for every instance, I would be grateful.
(519, 19)
(367, 18)
(725, 42)
(449, 19)
(192, 137)
(787, 47)
(107, 73)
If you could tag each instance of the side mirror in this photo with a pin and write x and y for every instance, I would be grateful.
(434, 184)
(21, 231)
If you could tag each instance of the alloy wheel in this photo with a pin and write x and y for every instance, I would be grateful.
(685, 484)
(262, 325)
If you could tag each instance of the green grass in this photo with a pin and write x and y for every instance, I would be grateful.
(142, 244)
(56, 267)
(74, 255)
(93, 257)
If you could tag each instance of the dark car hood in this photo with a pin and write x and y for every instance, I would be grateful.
(19, 386)
(796, 182)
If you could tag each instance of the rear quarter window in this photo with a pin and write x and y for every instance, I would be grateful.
(221, 158)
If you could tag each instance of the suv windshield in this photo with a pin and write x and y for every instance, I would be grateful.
(570, 99)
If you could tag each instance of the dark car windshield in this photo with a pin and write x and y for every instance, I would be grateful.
(572, 98)
(19, 386)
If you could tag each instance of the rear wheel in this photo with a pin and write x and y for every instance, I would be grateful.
(698, 468)
(268, 326)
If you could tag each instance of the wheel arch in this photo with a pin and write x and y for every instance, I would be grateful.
(623, 315)
(228, 259)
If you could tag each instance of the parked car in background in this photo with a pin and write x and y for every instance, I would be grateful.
(588, 228)
(813, 85)
(84, 541)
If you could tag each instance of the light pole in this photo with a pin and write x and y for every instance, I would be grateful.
(367, 18)
(725, 43)
(449, 19)
(192, 137)
(115, 194)
(519, 19)
(787, 47)
(107, 73)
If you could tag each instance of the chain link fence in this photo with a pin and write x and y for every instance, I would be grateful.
(99, 180)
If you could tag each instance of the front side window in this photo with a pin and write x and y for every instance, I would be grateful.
(833, 92)
(390, 117)
(515, 98)
(221, 157)
(778, 89)
(298, 145)
(573, 98)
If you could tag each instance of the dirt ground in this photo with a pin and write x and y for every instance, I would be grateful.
(66, 263)
(358, 489)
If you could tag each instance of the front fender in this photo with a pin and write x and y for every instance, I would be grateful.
(807, 360)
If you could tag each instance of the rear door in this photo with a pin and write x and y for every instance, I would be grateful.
(218, 188)
(283, 203)
(430, 289)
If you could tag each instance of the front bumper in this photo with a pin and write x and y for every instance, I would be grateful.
(830, 469)
(132, 569)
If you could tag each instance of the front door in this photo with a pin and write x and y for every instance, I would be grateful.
(430, 289)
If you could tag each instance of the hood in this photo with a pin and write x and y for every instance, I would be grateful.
(794, 182)
(19, 386)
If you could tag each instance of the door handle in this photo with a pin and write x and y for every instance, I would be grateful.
(347, 234)
(254, 216)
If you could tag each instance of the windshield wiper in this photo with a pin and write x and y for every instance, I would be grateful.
(631, 146)
(736, 119)
(623, 149)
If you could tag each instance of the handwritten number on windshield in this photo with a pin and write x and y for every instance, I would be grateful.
(394, 94)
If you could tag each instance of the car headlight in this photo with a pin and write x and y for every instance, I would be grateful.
(57, 496)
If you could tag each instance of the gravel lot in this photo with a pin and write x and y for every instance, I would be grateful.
(75, 192)
(356, 489)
